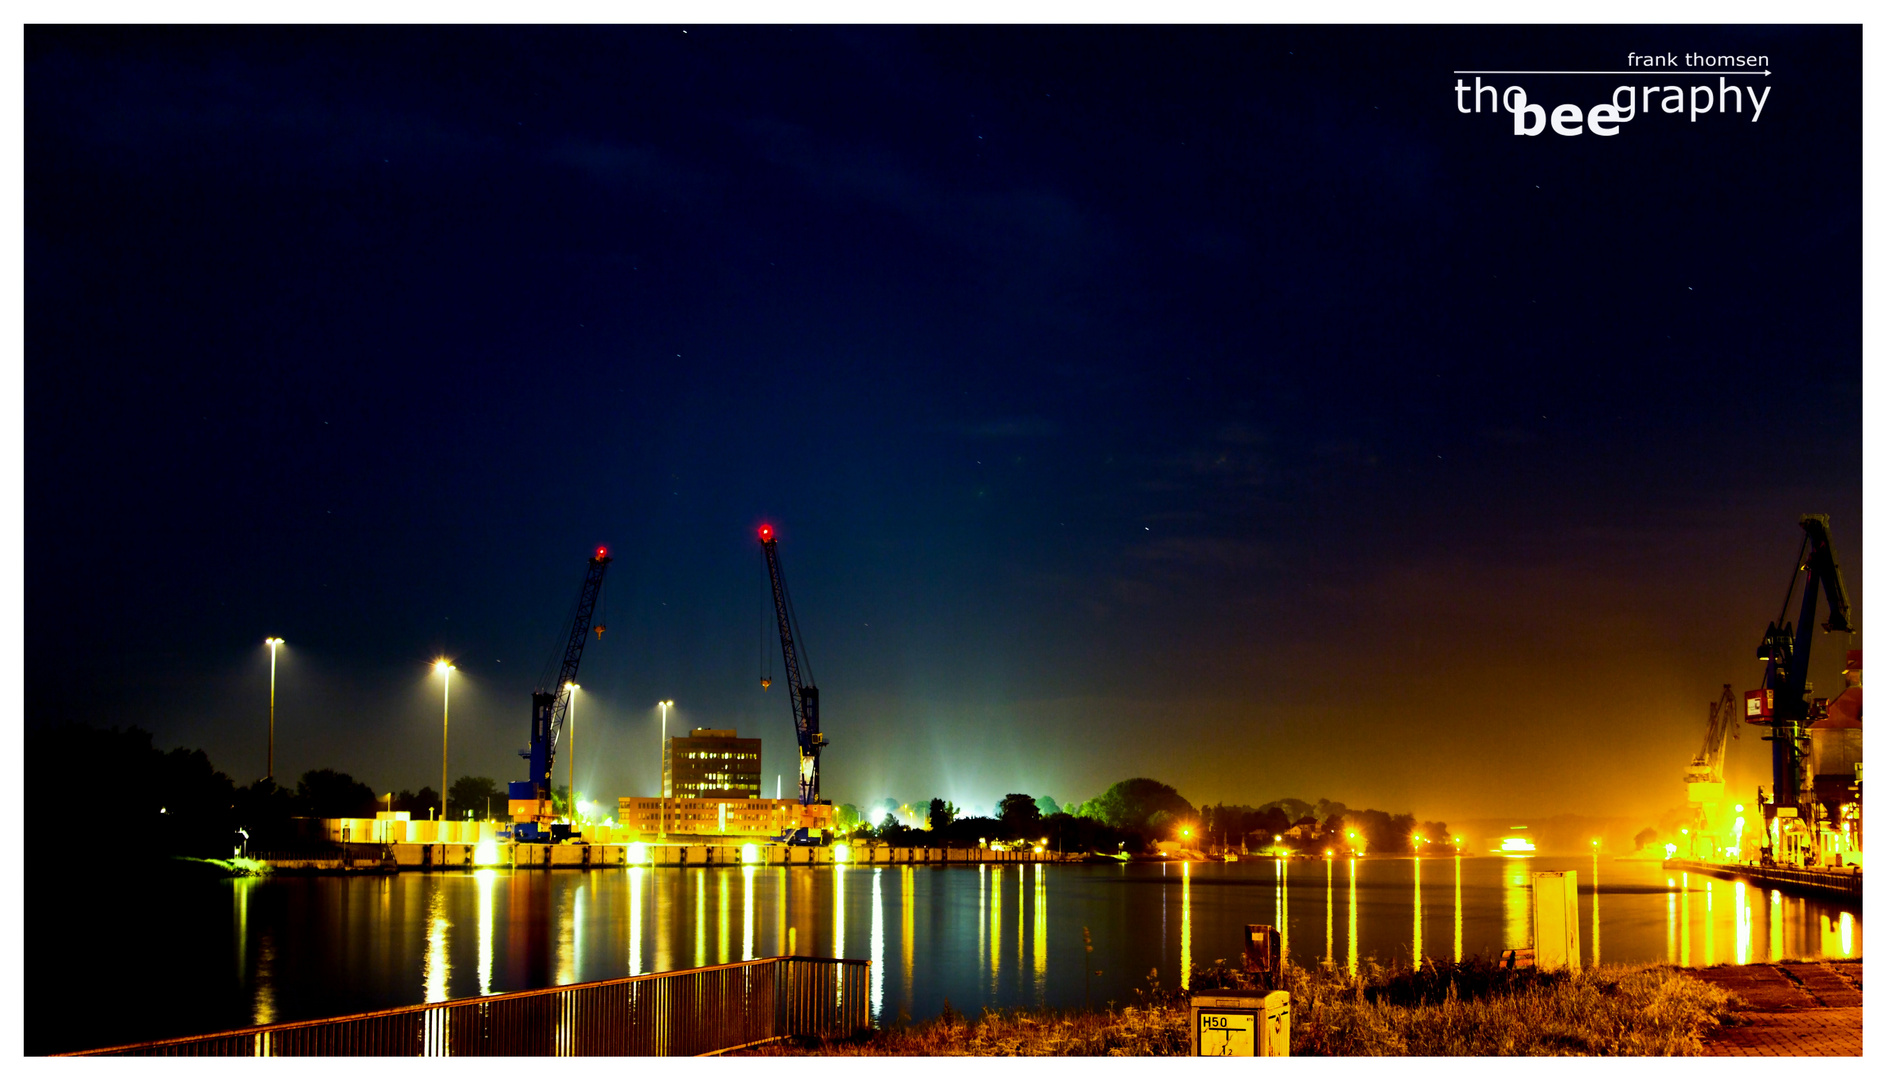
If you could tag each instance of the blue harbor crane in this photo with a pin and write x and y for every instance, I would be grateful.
(549, 704)
(1782, 705)
(805, 698)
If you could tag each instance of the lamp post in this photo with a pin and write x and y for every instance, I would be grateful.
(272, 643)
(664, 768)
(445, 730)
(572, 688)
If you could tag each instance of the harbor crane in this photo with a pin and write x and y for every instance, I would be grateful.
(1711, 830)
(1706, 766)
(1782, 705)
(805, 697)
(531, 802)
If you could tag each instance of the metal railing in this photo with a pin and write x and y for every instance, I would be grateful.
(699, 1011)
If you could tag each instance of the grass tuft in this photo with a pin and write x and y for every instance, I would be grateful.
(1471, 1009)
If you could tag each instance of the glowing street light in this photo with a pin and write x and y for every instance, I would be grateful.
(445, 729)
(271, 643)
(665, 706)
(572, 688)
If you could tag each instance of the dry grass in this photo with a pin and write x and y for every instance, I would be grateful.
(1444, 1010)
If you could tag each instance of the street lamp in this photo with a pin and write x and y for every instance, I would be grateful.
(272, 643)
(572, 688)
(445, 729)
(664, 769)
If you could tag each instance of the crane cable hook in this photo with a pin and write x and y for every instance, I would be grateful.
(602, 623)
(766, 650)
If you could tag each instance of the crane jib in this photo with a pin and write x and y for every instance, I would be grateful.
(550, 705)
(805, 699)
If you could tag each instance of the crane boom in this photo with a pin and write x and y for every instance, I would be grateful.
(1706, 766)
(805, 699)
(550, 704)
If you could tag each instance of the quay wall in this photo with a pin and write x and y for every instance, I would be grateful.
(392, 858)
(1840, 883)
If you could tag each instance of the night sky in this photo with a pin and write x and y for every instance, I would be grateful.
(1213, 404)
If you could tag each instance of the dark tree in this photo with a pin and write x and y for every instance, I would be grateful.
(476, 793)
(1020, 815)
(265, 810)
(1272, 822)
(1066, 832)
(1139, 804)
(324, 793)
(422, 806)
(941, 813)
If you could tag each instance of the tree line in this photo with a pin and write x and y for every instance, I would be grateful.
(1136, 814)
(177, 803)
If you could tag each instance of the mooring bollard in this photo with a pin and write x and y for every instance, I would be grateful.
(1241, 1023)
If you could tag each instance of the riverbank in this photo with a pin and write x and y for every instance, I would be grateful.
(1473, 1009)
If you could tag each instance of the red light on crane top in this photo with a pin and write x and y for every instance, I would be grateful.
(766, 533)
(601, 551)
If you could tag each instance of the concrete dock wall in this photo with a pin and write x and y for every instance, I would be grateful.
(1844, 883)
(388, 858)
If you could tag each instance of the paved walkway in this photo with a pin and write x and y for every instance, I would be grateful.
(1790, 1010)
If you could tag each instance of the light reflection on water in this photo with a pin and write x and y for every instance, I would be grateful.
(637, 883)
(437, 966)
(1041, 931)
(1329, 912)
(307, 947)
(909, 907)
(1354, 953)
(1594, 908)
(746, 911)
(877, 942)
(995, 926)
(1516, 873)
(487, 884)
(1185, 926)
(1459, 924)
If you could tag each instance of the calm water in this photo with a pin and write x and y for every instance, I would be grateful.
(257, 951)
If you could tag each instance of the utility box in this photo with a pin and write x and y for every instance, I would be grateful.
(1758, 706)
(1555, 941)
(1241, 1023)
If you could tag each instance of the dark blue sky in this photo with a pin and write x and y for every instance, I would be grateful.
(1216, 404)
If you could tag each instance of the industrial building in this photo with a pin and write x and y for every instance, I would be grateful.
(710, 786)
(710, 763)
(651, 817)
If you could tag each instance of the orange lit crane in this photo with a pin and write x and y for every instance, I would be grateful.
(1706, 766)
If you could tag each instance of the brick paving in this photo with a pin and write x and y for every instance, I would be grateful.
(1789, 1010)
